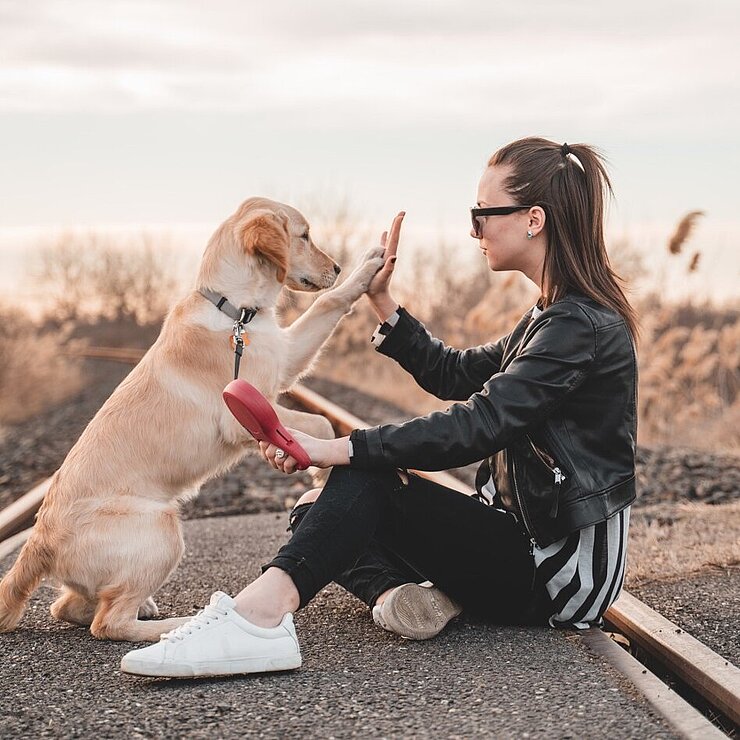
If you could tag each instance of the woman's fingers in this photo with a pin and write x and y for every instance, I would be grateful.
(270, 456)
(282, 462)
(264, 446)
(391, 244)
(286, 464)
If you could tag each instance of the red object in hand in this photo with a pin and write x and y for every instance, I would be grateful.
(254, 412)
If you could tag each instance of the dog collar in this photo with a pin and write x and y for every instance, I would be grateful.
(241, 316)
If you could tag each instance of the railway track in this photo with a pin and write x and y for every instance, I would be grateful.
(689, 668)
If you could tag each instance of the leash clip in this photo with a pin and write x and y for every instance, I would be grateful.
(245, 316)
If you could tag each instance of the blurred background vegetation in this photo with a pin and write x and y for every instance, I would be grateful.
(113, 292)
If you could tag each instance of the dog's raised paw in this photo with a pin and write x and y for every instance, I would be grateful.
(366, 270)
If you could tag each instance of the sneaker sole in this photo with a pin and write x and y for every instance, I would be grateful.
(417, 612)
(212, 668)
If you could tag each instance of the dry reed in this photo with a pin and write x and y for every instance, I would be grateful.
(683, 230)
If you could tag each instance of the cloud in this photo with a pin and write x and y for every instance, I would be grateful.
(335, 63)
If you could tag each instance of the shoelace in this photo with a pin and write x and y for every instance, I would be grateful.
(200, 620)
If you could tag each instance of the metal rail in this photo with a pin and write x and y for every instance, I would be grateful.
(709, 674)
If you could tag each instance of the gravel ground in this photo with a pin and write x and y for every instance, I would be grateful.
(357, 680)
(706, 605)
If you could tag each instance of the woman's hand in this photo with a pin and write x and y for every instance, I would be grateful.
(379, 291)
(323, 452)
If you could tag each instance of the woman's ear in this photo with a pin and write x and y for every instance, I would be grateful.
(265, 234)
(537, 218)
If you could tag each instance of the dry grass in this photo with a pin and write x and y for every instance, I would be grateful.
(33, 371)
(670, 541)
(689, 378)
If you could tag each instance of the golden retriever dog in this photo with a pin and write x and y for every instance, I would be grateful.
(109, 528)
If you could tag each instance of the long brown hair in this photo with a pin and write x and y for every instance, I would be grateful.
(571, 184)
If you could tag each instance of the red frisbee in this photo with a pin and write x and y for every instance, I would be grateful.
(254, 412)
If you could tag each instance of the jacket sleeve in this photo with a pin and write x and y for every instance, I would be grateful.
(555, 360)
(447, 373)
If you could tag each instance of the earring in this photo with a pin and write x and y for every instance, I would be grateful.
(529, 234)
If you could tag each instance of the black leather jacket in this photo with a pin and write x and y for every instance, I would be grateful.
(550, 409)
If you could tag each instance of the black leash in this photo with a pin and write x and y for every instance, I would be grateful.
(246, 315)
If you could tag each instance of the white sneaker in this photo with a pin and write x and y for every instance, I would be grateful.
(218, 642)
(416, 611)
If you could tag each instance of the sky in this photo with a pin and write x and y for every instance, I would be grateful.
(166, 114)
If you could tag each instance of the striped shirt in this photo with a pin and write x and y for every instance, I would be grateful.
(583, 572)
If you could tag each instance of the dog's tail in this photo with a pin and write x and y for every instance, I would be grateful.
(33, 563)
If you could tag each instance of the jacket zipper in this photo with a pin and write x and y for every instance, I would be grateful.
(527, 527)
(557, 473)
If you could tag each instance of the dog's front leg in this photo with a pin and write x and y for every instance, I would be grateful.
(307, 334)
(312, 424)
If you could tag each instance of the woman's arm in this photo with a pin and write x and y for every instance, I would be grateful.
(445, 372)
(449, 374)
(554, 363)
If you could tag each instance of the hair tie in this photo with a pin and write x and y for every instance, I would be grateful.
(565, 150)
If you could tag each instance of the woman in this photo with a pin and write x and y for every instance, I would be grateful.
(550, 409)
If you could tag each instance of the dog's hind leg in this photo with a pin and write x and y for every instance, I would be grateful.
(143, 550)
(116, 618)
(73, 607)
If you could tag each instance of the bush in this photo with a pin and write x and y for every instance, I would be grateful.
(89, 276)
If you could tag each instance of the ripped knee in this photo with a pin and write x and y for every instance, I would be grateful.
(308, 497)
(301, 507)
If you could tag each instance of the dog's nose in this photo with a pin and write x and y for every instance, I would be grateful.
(337, 269)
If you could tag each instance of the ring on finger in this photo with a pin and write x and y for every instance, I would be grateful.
(279, 454)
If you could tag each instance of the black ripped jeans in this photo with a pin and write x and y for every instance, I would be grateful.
(368, 532)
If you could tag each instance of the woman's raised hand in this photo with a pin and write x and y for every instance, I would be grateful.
(379, 291)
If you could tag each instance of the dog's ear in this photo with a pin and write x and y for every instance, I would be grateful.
(265, 234)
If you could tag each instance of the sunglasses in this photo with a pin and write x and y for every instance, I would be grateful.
(477, 215)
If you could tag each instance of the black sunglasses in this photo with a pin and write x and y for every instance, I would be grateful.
(476, 215)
